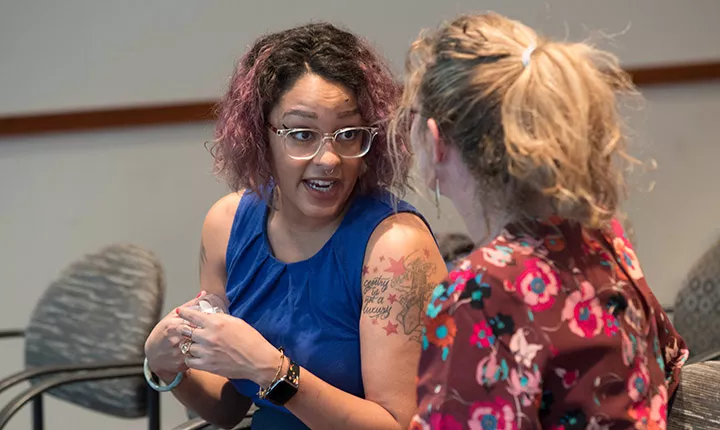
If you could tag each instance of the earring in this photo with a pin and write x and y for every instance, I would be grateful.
(437, 196)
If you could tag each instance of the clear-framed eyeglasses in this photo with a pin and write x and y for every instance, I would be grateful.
(305, 143)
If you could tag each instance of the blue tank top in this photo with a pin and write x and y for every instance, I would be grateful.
(311, 308)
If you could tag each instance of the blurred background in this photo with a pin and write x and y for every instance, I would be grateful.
(66, 193)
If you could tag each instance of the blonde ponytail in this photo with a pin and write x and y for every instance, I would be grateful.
(563, 131)
(537, 121)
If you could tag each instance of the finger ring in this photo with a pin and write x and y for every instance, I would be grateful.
(188, 332)
(185, 346)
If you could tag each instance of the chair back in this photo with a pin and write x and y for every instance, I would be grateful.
(100, 309)
(696, 316)
(697, 401)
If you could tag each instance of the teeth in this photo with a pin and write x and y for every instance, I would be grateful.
(321, 185)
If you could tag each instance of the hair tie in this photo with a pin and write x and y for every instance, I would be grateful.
(527, 53)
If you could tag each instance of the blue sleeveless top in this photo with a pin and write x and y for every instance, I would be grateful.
(311, 308)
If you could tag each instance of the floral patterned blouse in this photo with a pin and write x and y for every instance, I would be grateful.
(550, 326)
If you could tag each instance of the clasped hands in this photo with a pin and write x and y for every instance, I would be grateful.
(216, 343)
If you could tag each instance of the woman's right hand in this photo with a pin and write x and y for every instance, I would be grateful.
(162, 347)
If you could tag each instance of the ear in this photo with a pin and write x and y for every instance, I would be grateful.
(439, 147)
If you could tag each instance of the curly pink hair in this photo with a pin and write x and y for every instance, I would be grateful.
(270, 68)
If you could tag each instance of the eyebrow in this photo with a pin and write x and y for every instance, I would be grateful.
(313, 115)
(348, 113)
(302, 113)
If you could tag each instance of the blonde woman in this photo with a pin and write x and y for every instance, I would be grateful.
(549, 323)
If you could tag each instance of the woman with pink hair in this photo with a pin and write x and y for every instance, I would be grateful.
(325, 273)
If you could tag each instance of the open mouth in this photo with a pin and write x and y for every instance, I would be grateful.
(320, 185)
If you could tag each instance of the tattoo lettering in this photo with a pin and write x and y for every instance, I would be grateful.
(402, 290)
(374, 303)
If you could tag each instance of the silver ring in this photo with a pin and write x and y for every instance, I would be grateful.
(185, 347)
(330, 171)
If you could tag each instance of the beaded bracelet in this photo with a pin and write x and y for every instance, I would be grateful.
(161, 388)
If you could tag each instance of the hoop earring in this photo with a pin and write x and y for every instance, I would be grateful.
(437, 196)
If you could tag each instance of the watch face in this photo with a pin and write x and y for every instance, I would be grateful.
(282, 392)
(286, 387)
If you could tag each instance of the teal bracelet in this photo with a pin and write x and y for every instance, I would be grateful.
(156, 387)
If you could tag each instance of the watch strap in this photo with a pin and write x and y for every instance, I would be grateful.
(286, 387)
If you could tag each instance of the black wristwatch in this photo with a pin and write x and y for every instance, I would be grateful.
(286, 387)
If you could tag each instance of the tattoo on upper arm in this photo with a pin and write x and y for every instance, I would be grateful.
(396, 295)
(203, 257)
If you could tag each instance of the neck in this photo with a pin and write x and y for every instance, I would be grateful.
(483, 223)
(286, 217)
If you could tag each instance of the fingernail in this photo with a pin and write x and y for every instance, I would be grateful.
(177, 311)
(199, 294)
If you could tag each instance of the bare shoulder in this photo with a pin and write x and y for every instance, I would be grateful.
(396, 229)
(222, 212)
(214, 241)
(402, 266)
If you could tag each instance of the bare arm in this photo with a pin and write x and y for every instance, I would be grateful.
(213, 397)
(402, 266)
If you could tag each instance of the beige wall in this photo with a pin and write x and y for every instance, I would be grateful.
(64, 195)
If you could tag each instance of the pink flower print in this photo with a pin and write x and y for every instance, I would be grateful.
(638, 383)
(464, 265)
(498, 256)
(457, 274)
(569, 377)
(509, 286)
(483, 335)
(629, 348)
(658, 407)
(538, 284)
(610, 324)
(583, 311)
(444, 422)
(618, 230)
(525, 385)
(527, 246)
(497, 415)
(489, 370)
(628, 259)
(459, 278)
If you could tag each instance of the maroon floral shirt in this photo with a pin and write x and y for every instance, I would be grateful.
(550, 326)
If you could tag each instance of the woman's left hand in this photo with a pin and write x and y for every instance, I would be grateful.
(228, 346)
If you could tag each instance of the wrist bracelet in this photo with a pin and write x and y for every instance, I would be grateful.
(161, 388)
(263, 391)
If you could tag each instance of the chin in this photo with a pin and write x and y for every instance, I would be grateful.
(328, 202)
